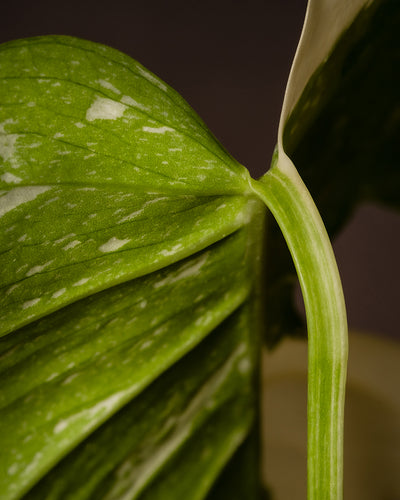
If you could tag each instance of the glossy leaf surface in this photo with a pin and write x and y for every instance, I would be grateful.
(127, 239)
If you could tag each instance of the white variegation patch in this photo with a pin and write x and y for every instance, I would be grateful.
(105, 109)
(18, 196)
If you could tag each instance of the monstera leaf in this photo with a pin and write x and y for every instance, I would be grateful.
(132, 291)
(125, 243)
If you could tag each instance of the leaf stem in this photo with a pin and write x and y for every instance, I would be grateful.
(283, 191)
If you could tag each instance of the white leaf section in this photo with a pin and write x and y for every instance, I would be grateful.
(105, 109)
(38, 269)
(152, 79)
(107, 85)
(324, 23)
(18, 196)
(113, 244)
(10, 178)
(158, 130)
(126, 99)
(7, 145)
(186, 271)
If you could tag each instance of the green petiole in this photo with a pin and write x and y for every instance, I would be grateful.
(284, 193)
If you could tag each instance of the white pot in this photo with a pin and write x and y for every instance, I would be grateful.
(372, 418)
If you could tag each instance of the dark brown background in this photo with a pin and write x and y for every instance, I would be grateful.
(230, 59)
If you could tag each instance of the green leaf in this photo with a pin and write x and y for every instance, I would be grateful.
(68, 242)
(185, 425)
(98, 105)
(127, 238)
(107, 165)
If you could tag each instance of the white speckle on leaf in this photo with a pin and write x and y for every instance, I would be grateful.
(58, 293)
(18, 196)
(186, 271)
(33, 464)
(6, 122)
(37, 269)
(172, 150)
(23, 237)
(7, 141)
(24, 266)
(12, 288)
(155, 200)
(62, 425)
(131, 102)
(113, 244)
(7, 145)
(143, 304)
(105, 109)
(199, 297)
(13, 469)
(204, 320)
(70, 378)
(241, 348)
(107, 405)
(157, 130)
(33, 145)
(154, 321)
(90, 415)
(171, 251)
(151, 78)
(10, 178)
(131, 216)
(108, 85)
(145, 345)
(72, 244)
(81, 282)
(80, 125)
(159, 331)
(52, 200)
(60, 240)
(30, 303)
(58, 135)
(244, 366)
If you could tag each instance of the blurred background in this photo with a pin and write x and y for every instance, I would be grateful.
(230, 60)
